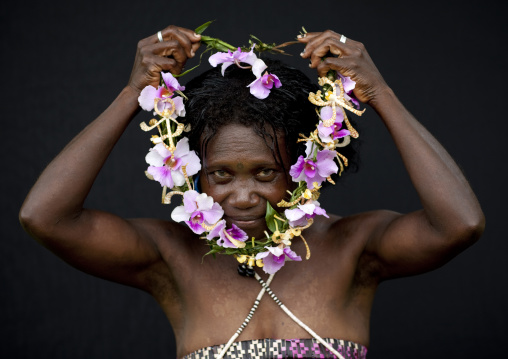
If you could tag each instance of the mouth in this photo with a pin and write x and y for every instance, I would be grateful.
(248, 222)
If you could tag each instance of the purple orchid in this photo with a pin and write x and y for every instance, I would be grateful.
(148, 95)
(229, 58)
(348, 86)
(310, 171)
(298, 217)
(275, 257)
(262, 85)
(220, 231)
(335, 131)
(197, 209)
(172, 84)
(147, 101)
(166, 167)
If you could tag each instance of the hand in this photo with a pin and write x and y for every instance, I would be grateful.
(153, 56)
(352, 60)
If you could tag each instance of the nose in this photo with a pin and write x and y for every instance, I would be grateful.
(244, 197)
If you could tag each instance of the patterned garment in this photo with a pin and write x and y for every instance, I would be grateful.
(282, 348)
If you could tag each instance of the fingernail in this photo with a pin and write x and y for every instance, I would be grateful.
(197, 35)
(299, 37)
(302, 53)
(310, 64)
(192, 53)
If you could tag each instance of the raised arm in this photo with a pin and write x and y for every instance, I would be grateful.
(97, 242)
(451, 218)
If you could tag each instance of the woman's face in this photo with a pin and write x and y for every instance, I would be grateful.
(241, 174)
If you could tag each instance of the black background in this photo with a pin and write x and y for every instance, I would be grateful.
(64, 62)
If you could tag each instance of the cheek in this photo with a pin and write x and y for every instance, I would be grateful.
(272, 192)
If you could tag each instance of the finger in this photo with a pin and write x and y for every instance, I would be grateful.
(195, 46)
(158, 64)
(171, 65)
(342, 65)
(328, 46)
(186, 36)
(193, 37)
(184, 41)
(315, 41)
(307, 37)
(167, 48)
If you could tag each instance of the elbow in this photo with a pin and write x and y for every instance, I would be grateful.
(469, 231)
(33, 222)
(28, 219)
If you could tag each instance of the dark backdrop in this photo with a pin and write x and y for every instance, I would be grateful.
(63, 63)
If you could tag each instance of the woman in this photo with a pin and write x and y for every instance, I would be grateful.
(332, 292)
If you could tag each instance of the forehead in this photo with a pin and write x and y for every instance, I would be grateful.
(236, 143)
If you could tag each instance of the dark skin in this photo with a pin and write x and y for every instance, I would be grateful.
(332, 292)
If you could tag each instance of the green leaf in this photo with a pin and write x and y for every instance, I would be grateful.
(199, 30)
(187, 71)
(217, 44)
(270, 218)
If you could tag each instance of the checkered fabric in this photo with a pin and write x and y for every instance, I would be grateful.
(282, 348)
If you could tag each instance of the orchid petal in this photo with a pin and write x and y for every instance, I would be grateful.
(257, 89)
(171, 83)
(258, 67)
(271, 265)
(146, 98)
(262, 255)
(204, 201)
(225, 65)
(296, 169)
(276, 81)
(195, 227)
(291, 255)
(162, 150)
(251, 59)
(237, 233)
(327, 167)
(179, 214)
(215, 232)
(179, 106)
(178, 178)
(294, 214)
(189, 200)
(153, 158)
(307, 208)
(161, 175)
(309, 168)
(276, 251)
(182, 147)
(309, 148)
(341, 133)
(193, 163)
(321, 212)
(219, 58)
(213, 214)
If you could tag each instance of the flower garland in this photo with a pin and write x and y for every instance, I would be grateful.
(172, 163)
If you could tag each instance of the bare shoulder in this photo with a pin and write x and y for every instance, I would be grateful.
(173, 242)
(356, 230)
(349, 237)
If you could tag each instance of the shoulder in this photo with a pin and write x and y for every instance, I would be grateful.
(349, 239)
(173, 241)
(355, 229)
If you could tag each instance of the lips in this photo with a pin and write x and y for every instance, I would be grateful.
(247, 222)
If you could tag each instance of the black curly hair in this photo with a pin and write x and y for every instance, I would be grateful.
(216, 101)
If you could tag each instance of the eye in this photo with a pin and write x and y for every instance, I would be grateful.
(266, 173)
(221, 174)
